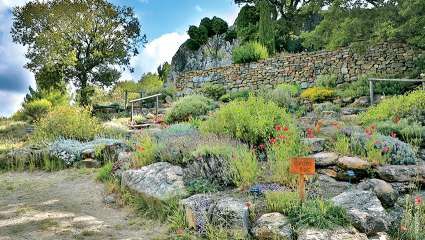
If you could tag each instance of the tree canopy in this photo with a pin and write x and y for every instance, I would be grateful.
(77, 41)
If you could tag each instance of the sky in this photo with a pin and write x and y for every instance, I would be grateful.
(164, 22)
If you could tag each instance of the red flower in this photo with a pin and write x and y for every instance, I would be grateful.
(278, 128)
(248, 204)
(180, 232)
(285, 129)
(282, 136)
(141, 149)
(368, 132)
(261, 146)
(373, 127)
(393, 135)
(273, 140)
(418, 200)
(310, 133)
(377, 142)
(386, 149)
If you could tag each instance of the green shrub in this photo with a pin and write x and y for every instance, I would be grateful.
(411, 132)
(251, 121)
(36, 109)
(242, 95)
(249, 52)
(283, 202)
(318, 94)
(105, 173)
(244, 167)
(139, 119)
(284, 95)
(413, 220)
(212, 91)
(145, 151)
(326, 81)
(342, 145)
(201, 185)
(189, 107)
(410, 105)
(67, 122)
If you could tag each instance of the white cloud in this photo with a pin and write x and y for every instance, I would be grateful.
(8, 4)
(156, 52)
(198, 8)
(10, 102)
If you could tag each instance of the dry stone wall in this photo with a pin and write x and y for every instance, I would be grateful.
(304, 68)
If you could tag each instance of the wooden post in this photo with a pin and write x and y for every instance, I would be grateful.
(301, 187)
(371, 91)
(132, 109)
(126, 99)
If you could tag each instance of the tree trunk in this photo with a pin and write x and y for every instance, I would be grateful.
(84, 98)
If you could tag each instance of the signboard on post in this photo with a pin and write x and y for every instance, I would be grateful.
(302, 167)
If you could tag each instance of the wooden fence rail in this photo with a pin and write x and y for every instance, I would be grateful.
(371, 80)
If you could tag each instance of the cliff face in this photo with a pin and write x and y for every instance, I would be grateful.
(217, 52)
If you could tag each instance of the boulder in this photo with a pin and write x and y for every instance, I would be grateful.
(325, 159)
(326, 187)
(159, 180)
(224, 211)
(402, 173)
(214, 168)
(365, 210)
(380, 236)
(353, 163)
(122, 164)
(383, 190)
(315, 144)
(336, 234)
(89, 163)
(272, 226)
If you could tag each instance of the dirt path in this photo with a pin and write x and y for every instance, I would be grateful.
(65, 205)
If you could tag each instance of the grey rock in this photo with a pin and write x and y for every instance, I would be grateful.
(315, 144)
(214, 168)
(159, 180)
(90, 163)
(402, 173)
(110, 199)
(383, 190)
(380, 236)
(325, 159)
(365, 210)
(122, 164)
(197, 208)
(354, 163)
(336, 234)
(326, 187)
(88, 153)
(272, 226)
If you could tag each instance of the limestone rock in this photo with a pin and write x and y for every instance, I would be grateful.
(337, 234)
(159, 180)
(272, 226)
(400, 173)
(365, 210)
(325, 159)
(354, 163)
(327, 187)
(383, 190)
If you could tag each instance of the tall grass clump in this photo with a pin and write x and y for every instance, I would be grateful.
(189, 107)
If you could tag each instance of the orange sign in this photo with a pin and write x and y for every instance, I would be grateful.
(303, 166)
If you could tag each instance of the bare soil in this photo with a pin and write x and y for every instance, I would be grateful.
(66, 205)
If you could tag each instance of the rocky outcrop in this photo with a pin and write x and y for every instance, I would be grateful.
(397, 173)
(325, 159)
(159, 180)
(217, 52)
(327, 187)
(383, 190)
(272, 226)
(365, 210)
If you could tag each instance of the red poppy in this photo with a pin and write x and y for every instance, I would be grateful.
(393, 135)
(418, 200)
(273, 140)
(285, 129)
(377, 143)
(278, 128)
(386, 149)
(282, 136)
(368, 132)
(261, 146)
(248, 205)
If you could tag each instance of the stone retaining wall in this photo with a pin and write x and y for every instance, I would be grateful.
(304, 68)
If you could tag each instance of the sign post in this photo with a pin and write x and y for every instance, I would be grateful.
(302, 167)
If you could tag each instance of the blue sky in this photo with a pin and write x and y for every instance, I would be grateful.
(165, 23)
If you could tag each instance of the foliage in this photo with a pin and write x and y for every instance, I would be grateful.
(411, 132)
(231, 35)
(244, 167)
(67, 122)
(342, 145)
(201, 185)
(284, 144)
(84, 40)
(318, 94)
(247, 23)
(409, 105)
(105, 173)
(139, 119)
(284, 95)
(145, 151)
(284, 202)
(327, 81)
(189, 107)
(265, 26)
(242, 95)
(36, 109)
(207, 28)
(163, 71)
(213, 91)
(251, 121)
(413, 220)
(151, 82)
(249, 52)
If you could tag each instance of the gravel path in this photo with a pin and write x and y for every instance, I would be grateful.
(65, 205)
